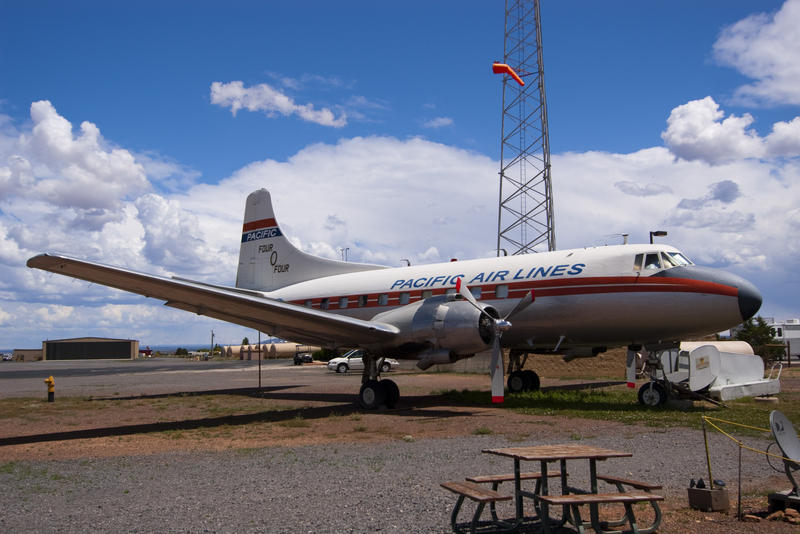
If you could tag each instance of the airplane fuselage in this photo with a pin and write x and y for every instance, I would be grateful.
(593, 296)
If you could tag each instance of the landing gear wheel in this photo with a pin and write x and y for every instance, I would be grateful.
(532, 382)
(516, 382)
(341, 368)
(385, 368)
(652, 394)
(391, 392)
(372, 395)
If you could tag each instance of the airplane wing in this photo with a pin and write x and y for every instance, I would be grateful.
(243, 307)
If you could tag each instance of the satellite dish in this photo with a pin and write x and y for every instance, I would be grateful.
(788, 443)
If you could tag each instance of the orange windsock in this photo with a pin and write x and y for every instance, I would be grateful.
(502, 68)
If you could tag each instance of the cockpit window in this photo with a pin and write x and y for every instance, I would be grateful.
(668, 261)
(652, 261)
(637, 263)
(678, 258)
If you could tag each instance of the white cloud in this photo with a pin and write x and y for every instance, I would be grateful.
(699, 130)
(81, 171)
(438, 122)
(642, 190)
(385, 199)
(765, 47)
(263, 97)
(171, 236)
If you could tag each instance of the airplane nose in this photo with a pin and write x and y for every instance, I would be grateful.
(749, 299)
(749, 296)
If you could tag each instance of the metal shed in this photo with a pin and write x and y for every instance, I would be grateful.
(90, 348)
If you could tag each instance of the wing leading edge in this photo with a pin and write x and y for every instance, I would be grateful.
(246, 308)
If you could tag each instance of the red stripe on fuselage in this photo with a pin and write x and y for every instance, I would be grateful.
(256, 225)
(554, 288)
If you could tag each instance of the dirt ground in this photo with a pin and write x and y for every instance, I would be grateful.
(142, 425)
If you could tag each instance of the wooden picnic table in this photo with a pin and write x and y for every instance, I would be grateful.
(559, 453)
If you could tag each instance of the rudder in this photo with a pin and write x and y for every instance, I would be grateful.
(268, 261)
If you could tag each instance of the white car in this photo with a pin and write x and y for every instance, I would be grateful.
(352, 360)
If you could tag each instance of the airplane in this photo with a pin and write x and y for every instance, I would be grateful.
(573, 302)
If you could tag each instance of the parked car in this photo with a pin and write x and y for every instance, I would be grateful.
(302, 357)
(353, 360)
(7, 357)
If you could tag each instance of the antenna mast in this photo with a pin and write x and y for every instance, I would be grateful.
(525, 216)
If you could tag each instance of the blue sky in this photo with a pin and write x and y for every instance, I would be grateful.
(364, 113)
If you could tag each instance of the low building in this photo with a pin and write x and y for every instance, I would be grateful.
(90, 348)
(27, 355)
(787, 332)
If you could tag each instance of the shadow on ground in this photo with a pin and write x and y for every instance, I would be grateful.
(339, 404)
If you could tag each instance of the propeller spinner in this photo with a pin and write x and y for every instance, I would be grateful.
(499, 325)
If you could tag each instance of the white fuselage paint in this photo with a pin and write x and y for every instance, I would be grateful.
(589, 296)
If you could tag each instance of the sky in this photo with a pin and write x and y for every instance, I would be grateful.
(132, 134)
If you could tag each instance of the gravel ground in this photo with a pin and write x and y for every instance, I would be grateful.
(372, 487)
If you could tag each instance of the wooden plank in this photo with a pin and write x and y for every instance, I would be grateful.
(508, 477)
(474, 492)
(600, 498)
(638, 484)
(551, 453)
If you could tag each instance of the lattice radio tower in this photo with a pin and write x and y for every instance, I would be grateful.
(525, 217)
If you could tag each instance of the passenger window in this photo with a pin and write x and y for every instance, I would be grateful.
(343, 302)
(383, 299)
(637, 263)
(323, 304)
(501, 292)
(404, 296)
(427, 294)
(476, 292)
(652, 262)
(308, 303)
(362, 301)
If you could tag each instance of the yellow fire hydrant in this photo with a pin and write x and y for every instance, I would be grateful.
(51, 388)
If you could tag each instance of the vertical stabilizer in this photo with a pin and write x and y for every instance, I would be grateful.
(268, 261)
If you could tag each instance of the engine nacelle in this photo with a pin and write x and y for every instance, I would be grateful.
(441, 323)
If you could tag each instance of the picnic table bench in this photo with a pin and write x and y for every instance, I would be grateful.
(628, 498)
(481, 495)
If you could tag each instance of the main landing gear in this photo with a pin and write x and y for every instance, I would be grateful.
(518, 379)
(374, 392)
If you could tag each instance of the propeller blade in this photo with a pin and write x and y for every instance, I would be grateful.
(630, 368)
(523, 303)
(496, 372)
(466, 293)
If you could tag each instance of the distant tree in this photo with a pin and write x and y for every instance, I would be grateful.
(759, 335)
(218, 348)
(323, 355)
(245, 341)
(180, 351)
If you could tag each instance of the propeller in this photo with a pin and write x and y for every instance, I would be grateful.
(500, 326)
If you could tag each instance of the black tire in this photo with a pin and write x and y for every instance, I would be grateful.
(532, 382)
(342, 368)
(516, 382)
(385, 367)
(372, 395)
(652, 394)
(392, 392)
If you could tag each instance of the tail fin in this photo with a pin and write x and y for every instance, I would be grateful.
(268, 261)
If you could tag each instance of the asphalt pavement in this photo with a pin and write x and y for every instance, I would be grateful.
(151, 376)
